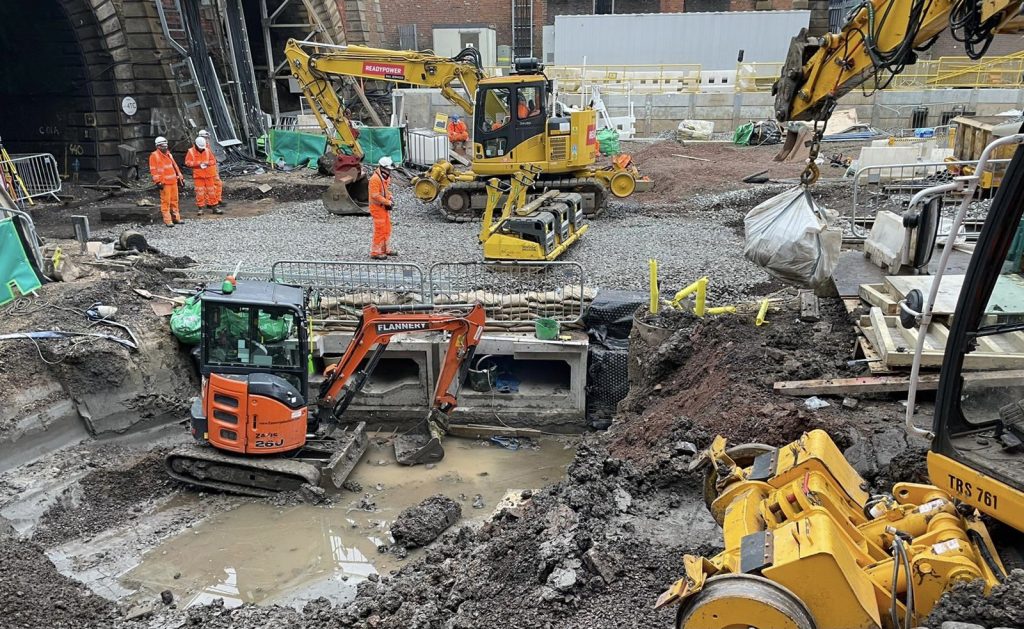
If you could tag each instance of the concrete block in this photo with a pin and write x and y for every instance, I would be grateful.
(400, 388)
(886, 245)
(713, 100)
(552, 378)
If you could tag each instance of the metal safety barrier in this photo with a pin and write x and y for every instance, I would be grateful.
(513, 293)
(339, 290)
(32, 175)
(891, 186)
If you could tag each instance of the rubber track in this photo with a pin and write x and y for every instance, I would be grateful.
(296, 470)
(568, 184)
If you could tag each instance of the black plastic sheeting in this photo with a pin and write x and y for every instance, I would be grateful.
(609, 321)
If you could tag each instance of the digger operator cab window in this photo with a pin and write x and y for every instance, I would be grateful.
(1001, 331)
(528, 102)
(496, 109)
(251, 336)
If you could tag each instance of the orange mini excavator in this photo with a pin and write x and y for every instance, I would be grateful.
(253, 426)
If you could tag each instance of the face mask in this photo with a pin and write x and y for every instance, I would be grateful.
(164, 149)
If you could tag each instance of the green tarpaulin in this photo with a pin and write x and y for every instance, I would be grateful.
(16, 271)
(296, 148)
(377, 142)
(187, 322)
(742, 134)
(608, 142)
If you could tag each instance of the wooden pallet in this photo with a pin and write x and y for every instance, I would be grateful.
(896, 345)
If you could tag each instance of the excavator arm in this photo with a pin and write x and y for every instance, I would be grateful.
(377, 326)
(879, 40)
(315, 65)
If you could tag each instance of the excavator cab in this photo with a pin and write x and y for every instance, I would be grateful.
(977, 451)
(253, 361)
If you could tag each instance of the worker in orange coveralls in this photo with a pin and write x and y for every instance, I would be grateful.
(380, 209)
(458, 134)
(167, 175)
(203, 162)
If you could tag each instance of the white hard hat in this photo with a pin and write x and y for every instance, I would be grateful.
(200, 142)
(386, 162)
(204, 133)
(161, 140)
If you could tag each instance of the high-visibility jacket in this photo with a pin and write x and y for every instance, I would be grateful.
(524, 111)
(195, 158)
(380, 191)
(457, 131)
(163, 168)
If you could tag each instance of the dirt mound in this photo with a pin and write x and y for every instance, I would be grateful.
(33, 594)
(967, 602)
(717, 373)
(105, 499)
(677, 178)
(419, 525)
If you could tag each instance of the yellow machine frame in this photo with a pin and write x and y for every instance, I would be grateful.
(798, 516)
(505, 246)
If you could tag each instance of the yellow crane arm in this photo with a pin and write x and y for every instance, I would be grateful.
(314, 65)
(879, 39)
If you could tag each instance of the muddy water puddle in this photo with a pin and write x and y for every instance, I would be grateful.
(261, 553)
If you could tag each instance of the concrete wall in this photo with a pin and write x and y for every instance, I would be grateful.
(658, 113)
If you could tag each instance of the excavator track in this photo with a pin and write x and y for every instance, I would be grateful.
(248, 475)
(463, 201)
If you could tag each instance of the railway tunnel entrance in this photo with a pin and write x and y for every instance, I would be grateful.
(57, 91)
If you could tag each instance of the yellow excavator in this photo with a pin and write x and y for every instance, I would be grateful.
(516, 123)
(805, 545)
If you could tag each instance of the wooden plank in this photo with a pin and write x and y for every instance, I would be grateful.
(1009, 299)
(853, 386)
(875, 295)
(892, 384)
(886, 344)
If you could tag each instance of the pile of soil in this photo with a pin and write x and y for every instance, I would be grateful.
(967, 602)
(719, 372)
(419, 525)
(84, 367)
(106, 498)
(33, 594)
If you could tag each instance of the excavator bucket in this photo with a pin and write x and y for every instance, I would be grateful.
(349, 195)
(343, 461)
(794, 148)
(423, 443)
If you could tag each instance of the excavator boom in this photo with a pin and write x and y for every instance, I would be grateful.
(463, 322)
(878, 41)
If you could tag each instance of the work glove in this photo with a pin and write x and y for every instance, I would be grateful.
(203, 165)
(160, 184)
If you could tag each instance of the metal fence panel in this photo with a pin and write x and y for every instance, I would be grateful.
(513, 293)
(339, 290)
(34, 175)
(891, 186)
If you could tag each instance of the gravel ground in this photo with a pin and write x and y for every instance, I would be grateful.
(702, 236)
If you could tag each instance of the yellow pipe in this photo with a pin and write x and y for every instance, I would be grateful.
(761, 313)
(652, 265)
(702, 292)
(686, 292)
(717, 310)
